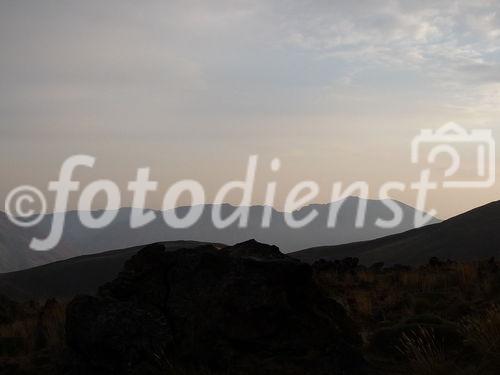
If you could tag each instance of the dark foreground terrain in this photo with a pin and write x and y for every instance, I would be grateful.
(80, 275)
(249, 309)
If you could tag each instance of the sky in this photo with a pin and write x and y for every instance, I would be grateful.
(335, 89)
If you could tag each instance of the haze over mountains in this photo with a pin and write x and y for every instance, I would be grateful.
(15, 253)
(470, 236)
(78, 240)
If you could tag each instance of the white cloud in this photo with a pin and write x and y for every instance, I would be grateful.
(436, 38)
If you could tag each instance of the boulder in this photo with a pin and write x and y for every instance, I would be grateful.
(246, 309)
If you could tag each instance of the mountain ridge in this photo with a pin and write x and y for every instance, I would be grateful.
(468, 236)
(78, 240)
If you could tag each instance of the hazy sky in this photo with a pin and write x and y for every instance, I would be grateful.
(335, 89)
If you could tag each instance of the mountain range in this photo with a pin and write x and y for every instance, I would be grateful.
(78, 240)
(467, 237)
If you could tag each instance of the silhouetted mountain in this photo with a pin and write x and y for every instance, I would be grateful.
(230, 311)
(470, 236)
(78, 240)
(67, 278)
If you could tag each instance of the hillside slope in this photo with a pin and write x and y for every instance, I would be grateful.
(67, 278)
(470, 236)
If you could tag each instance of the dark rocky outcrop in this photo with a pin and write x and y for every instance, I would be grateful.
(246, 309)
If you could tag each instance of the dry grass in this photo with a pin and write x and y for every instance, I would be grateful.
(367, 293)
(39, 328)
(425, 354)
(483, 330)
(483, 333)
(454, 294)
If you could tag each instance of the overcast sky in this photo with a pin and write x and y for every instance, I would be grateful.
(335, 89)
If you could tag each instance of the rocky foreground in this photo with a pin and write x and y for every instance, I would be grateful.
(245, 309)
(248, 309)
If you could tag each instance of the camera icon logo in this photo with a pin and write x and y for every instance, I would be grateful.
(446, 140)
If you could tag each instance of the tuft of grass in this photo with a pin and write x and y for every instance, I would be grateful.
(483, 330)
(483, 333)
(425, 354)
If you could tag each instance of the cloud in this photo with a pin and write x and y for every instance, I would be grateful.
(166, 80)
(452, 43)
(483, 73)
